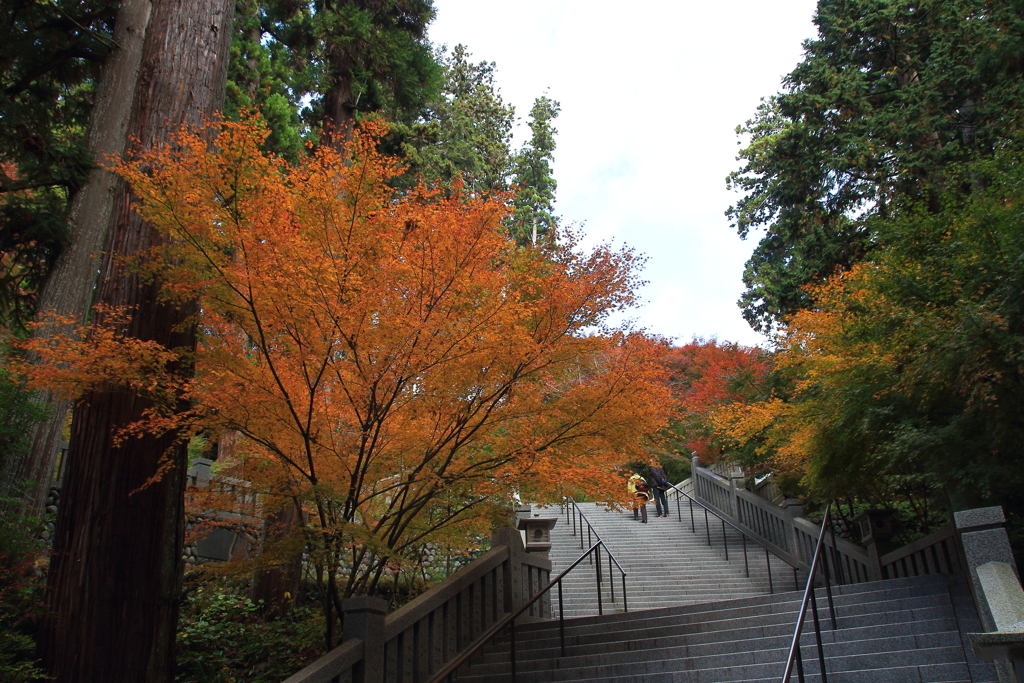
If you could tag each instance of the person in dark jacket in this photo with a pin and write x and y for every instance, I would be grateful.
(658, 482)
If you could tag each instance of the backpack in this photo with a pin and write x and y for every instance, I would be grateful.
(641, 486)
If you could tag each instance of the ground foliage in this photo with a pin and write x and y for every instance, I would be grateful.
(223, 637)
(22, 584)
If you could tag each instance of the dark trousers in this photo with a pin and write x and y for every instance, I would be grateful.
(660, 501)
(640, 509)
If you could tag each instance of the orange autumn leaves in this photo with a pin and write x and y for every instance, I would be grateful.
(712, 378)
(829, 360)
(384, 354)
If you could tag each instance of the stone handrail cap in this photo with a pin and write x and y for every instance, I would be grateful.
(968, 519)
(525, 522)
(1004, 595)
(991, 646)
(365, 603)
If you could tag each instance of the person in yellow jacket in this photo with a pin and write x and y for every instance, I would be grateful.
(639, 492)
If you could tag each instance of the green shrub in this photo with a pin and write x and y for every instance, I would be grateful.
(223, 639)
(18, 414)
(22, 585)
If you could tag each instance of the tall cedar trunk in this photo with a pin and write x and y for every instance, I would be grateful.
(116, 570)
(68, 290)
(339, 103)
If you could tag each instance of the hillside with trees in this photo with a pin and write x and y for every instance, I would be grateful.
(882, 187)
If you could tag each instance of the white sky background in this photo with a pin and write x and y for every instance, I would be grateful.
(651, 94)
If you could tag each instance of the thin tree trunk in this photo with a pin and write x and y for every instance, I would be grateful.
(115, 575)
(276, 587)
(68, 290)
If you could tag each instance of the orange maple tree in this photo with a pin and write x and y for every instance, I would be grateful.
(391, 363)
(708, 377)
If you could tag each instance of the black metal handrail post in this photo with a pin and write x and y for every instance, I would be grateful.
(512, 638)
(817, 634)
(794, 648)
(828, 587)
(446, 672)
(836, 562)
(561, 619)
(768, 552)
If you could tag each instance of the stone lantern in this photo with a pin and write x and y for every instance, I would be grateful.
(876, 525)
(538, 533)
(877, 529)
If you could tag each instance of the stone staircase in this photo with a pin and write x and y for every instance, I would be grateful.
(695, 618)
(668, 562)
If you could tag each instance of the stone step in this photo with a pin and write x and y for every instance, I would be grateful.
(780, 636)
(774, 625)
(696, 617)
(849, 600)
(896, 666)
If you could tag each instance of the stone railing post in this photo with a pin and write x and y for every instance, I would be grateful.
(984, 540)
(512, 572)
(734, 507)
(694, 464)
(874, 560)
(364, 619)
(995, 585)
(791, 509)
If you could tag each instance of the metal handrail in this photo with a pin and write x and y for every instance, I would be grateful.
(447, 671)
(744, 535)
(809, 595)
(591, 533)
(591, 529)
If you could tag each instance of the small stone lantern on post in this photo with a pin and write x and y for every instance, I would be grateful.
(538, 533)
(877, 529)
(538, 571)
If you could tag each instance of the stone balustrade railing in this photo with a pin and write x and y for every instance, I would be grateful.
(936, 553)
(435, 628)
(784, 528)
(995, 584)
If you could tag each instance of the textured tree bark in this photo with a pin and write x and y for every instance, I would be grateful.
(116, 570)
(339, 103)
(68, 290)
(277, 586)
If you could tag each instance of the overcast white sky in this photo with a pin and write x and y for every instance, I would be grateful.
(651, 94)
